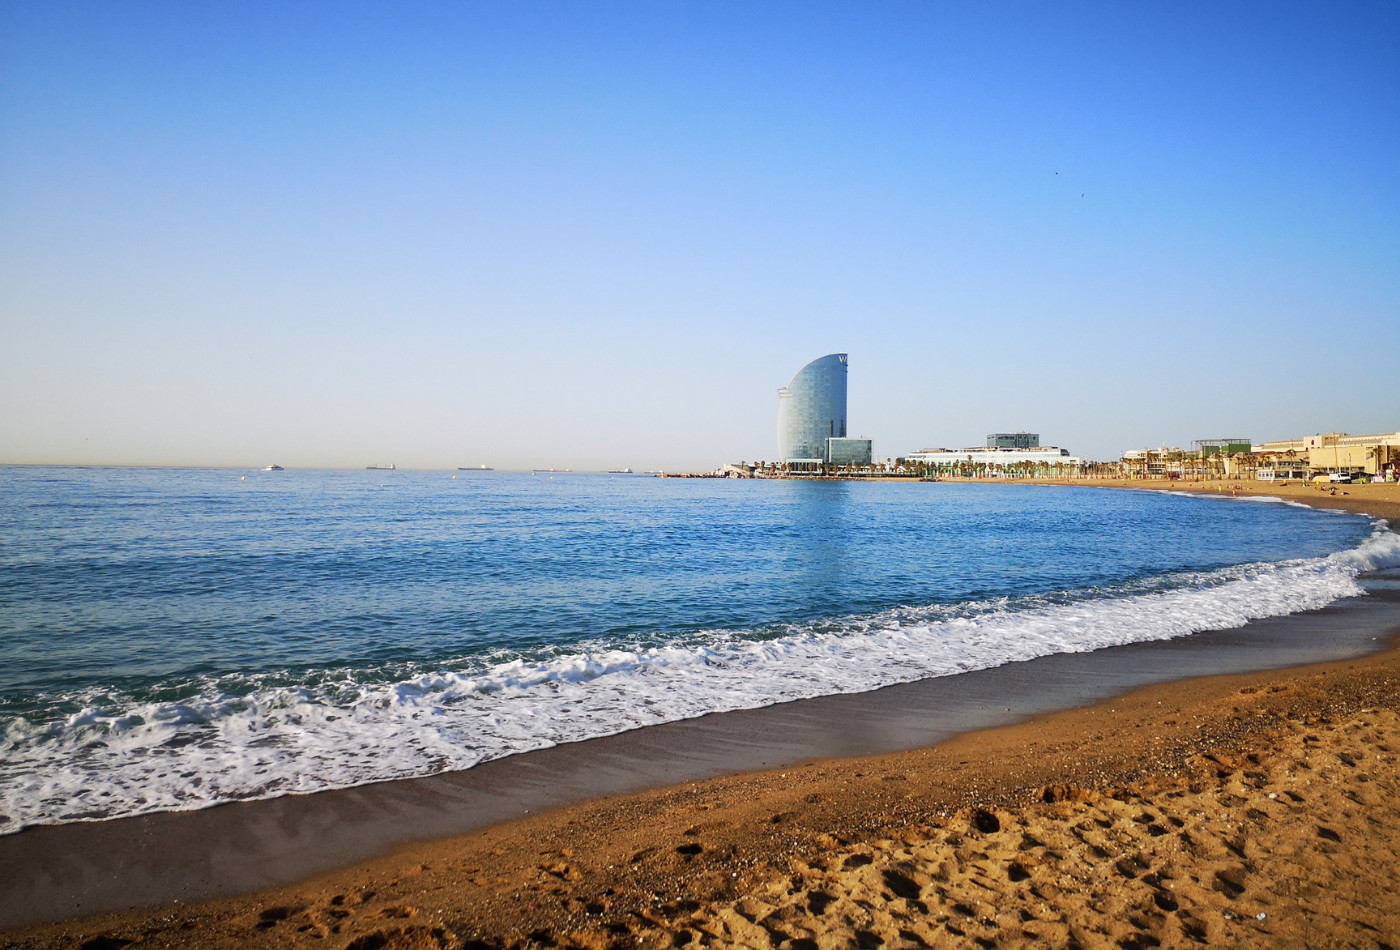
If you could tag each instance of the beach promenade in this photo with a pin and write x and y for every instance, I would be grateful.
(1253, 808)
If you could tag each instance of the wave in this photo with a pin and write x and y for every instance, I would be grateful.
(1264, 499)
(243, 737)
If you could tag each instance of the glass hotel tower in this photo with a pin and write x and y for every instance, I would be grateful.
(812, 413)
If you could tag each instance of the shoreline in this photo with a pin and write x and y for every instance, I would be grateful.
(715, 747)
(1377, 500)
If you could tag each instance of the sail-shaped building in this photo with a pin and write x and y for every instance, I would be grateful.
(812, 418)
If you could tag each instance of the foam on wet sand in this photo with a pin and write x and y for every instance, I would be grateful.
(1257, 808)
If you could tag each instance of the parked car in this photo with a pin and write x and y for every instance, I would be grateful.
(1343, 478)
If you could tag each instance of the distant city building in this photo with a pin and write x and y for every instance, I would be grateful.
(1164, 462)
(1004, 450)
(1013, 440)
(1209, 447)
(812, 418)
(1376, 454)
(1323, 454)
(844, 451)
(1049, 455)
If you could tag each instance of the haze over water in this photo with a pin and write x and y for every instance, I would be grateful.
(176, 638)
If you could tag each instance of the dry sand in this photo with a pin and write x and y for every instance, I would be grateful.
(1257, 809)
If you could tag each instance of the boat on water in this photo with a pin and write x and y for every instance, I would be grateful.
(273, 468)
(622, 471)
(476, 468)
(380, 468)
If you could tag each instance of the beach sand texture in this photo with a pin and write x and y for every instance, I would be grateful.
(1257, 809)
(1175, 816)
(1292, 847)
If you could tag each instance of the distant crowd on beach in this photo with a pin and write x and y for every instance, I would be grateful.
(901, 469)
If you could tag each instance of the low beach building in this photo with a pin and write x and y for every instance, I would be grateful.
(847, 451)
(1325, 453)
(1042, 460)
(1164, 462)
(1375, 456)
(1211, 458)
(1223, 458)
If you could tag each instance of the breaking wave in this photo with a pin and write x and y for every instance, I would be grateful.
(216, 739)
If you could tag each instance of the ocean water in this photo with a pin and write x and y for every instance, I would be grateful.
(172, 639)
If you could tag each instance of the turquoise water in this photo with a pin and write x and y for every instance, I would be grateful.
(176, 638)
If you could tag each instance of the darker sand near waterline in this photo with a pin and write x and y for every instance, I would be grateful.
(1176, 814)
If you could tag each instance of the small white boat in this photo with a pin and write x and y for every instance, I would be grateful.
(273, 468)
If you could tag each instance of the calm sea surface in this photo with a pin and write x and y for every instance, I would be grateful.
(175, 638)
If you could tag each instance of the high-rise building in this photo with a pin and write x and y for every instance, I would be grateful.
(812, 417)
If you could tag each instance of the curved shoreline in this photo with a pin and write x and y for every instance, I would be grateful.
(60, 872)
(1377, 500)
(922, 607)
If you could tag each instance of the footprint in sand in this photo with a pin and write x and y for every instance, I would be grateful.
(407, 938)
(1230, 882)
(986, 822)
(273, 916)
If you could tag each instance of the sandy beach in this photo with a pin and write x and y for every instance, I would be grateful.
(1255, 807)
(1377, 499)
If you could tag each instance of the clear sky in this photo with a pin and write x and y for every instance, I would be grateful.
(600, 234)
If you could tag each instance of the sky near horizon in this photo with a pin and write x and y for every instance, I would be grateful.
(602, 234)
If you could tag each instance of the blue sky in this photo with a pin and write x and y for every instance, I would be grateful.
(604, 234)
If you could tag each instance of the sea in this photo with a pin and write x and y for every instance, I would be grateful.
(172, 639)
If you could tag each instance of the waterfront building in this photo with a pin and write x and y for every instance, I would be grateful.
(1013, 440)
(1235, 446)
(1211, 458)
(1039, 458)
(847, 451)
(1329, 452)
(1006, 453)
(812, 418)
(1323, 454)
(1173, 462)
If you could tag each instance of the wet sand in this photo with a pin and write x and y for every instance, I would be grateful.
(821, 849)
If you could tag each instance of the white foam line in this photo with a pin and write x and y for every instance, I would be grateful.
(119, 758)
(1272, 499)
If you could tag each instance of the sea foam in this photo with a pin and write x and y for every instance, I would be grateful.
(241, 737)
